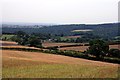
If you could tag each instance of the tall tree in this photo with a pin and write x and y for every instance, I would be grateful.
(98, 48)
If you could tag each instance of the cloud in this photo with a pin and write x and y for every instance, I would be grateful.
(60, 11)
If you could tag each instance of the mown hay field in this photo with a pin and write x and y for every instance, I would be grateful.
(52, 44)
(77, 48)
(84, 48)
(20, 64)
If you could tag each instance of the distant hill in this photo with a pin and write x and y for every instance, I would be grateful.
(103, 30)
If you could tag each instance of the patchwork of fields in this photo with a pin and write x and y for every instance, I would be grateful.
(47, 44)
(10, 44)
(21, 64)
(76, 48)
(83, 48)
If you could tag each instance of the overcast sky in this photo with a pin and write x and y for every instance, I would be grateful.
(60, 11)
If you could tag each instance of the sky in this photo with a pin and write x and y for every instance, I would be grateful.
(60, 11)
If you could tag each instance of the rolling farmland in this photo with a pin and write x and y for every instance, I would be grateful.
(10, 44)
(20, 64)
(83, 48)
(50, 44)
(76, 48)
(59, 39)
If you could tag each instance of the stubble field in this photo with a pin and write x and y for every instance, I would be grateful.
(20, 64)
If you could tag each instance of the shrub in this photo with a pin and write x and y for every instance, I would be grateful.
(114, 53)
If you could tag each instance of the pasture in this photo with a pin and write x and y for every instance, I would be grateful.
(69, 37)
(82, 30)
(6, 36)
(20, 64)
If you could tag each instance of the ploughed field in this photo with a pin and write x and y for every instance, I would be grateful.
(20, 64)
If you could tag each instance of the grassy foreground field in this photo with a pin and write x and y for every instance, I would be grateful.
(20, 64)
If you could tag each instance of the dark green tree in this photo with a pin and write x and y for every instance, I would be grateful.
(21, 37)
(20, 34)
(30, 40)
(114, 53)
(34, 41)
(98, 48)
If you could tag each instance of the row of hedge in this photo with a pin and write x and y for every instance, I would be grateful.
(22, 49)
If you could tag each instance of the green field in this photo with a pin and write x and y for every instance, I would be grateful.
(7, 36)
(68, 38)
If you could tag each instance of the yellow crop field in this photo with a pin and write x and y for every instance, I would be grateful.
(20, 64)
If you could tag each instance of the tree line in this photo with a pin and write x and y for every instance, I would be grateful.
(97, 47)
(31, 40)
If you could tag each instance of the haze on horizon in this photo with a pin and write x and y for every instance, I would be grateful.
(60, 11)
